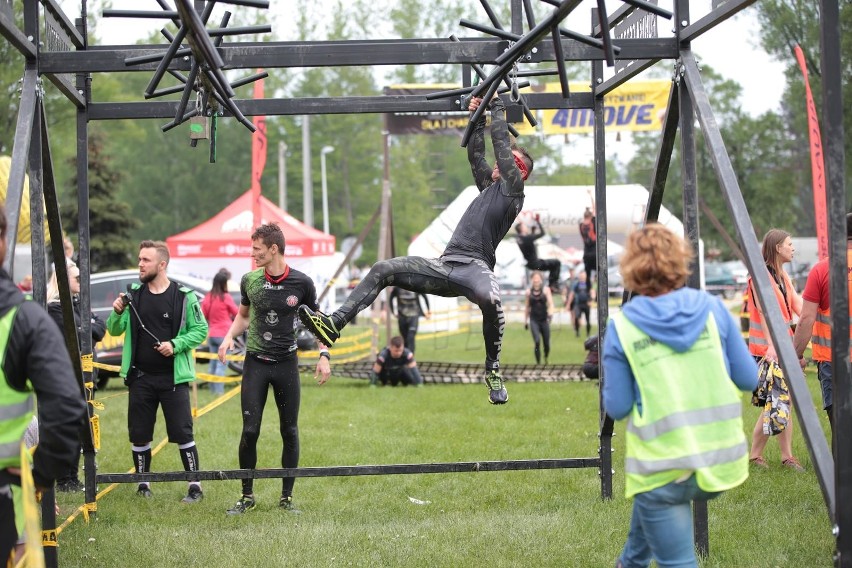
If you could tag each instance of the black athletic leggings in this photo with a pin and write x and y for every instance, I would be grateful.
(541, 332)
(286, 388)
(474, 280)
(408, 330)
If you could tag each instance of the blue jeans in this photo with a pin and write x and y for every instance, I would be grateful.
(824, 375)
(216, 367)
(661, 527)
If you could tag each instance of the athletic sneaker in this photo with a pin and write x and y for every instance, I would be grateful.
(144, 491)
(496, 391)
(69, 486)
(194, 495)
(319, 324)
(246, 503)
(286, 503)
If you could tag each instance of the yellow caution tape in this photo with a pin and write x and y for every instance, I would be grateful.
(96, 404)
(31, 513)
(87, 361)
(48, 538)
(96, 430)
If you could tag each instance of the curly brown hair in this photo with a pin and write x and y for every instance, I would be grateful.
(655, 261)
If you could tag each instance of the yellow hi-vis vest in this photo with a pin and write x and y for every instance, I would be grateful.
(691, 414)
(16, 408)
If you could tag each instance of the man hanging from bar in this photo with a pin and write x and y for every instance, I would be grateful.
(467, 266)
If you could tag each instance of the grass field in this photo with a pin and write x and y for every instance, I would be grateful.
(502, 519)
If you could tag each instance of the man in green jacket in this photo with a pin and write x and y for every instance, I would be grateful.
(162, 323)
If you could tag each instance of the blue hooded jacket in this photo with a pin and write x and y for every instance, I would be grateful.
(675, 319)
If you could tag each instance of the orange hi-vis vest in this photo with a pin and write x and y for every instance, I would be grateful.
(821, 339)
(758, 333)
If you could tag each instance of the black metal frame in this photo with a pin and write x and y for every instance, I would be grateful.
(545, 41)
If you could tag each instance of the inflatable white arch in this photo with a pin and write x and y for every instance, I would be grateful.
(560, 209)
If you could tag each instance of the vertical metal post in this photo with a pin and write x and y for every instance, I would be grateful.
(307, 182)
(833, 144)
(385, 220)
(606, 423)
(282, 175)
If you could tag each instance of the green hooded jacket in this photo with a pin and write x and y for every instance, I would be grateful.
(192, 332)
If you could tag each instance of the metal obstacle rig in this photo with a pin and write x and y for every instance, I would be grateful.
(213, 91)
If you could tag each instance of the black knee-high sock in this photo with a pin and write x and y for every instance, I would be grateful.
(189, 457)
(537, 354)
(142, 458)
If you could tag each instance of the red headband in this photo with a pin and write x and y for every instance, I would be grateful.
(521, 166)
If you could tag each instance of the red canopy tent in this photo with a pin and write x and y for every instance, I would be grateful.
(229, 232)
(224, 241)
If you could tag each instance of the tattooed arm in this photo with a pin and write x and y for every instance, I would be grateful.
(476, 150)
(503, 147)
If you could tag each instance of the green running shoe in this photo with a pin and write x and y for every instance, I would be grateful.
(319, 324)
(496, 391)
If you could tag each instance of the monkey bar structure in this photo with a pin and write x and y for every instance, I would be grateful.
(625, 38)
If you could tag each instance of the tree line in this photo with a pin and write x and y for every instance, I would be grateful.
(149, 184)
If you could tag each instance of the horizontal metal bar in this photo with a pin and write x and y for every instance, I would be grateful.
(156, 57)
(652, 8)
(273, 55)
(714, 18)
(346, 471)
(141, 14)
(237, 30)
(325, 105)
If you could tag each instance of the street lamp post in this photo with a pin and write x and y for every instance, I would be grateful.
(325, 150)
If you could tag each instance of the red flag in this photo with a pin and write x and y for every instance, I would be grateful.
(258, 159)
(817, 164)
(258, 156)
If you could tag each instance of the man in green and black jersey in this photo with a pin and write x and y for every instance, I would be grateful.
(270, 297)
(467, 266)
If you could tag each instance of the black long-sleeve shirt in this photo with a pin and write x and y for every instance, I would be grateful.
(35, 359)
(490, 215)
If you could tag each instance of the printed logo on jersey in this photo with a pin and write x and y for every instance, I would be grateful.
(267, 336)
(270, 286)
(272, 317)
(292, 301)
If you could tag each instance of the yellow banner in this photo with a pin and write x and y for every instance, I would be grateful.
(636, 106)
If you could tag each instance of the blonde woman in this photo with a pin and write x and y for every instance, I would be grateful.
(539, 309)
(777, 249)
(67, 481)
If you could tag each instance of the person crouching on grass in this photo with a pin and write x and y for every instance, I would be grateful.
(674, 361)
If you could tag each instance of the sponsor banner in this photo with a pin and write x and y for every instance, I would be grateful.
(637, 106)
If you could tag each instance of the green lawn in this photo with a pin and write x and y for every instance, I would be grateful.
(528, 518)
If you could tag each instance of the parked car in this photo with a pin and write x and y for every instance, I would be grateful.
(719, 280)
(738, 269)
(105, 288)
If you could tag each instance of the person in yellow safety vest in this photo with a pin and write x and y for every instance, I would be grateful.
(674, 364)
(31, 362)
(777, 249)
(816, 319)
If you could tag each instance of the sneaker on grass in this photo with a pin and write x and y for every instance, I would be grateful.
(143, 490)
(246, 503)
(496, 391)
(286, 503)
(194, 495)
(319, 324)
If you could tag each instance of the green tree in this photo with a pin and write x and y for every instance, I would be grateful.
(111, 221)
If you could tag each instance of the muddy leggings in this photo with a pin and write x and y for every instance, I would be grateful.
(283, 377)
(473, 280)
